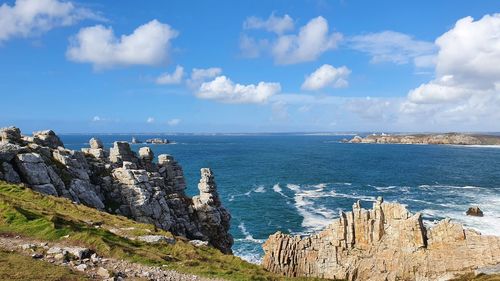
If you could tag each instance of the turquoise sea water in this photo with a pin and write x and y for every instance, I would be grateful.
(298, 183)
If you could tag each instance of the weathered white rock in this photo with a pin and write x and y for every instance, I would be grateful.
(213, 217)
(95, 143)
(154, 239)
(47, 138)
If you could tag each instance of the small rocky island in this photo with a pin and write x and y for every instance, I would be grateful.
(158, 141)
(448, 138)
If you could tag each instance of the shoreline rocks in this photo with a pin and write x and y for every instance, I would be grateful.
(385, 243)
(448, 138)
(118, 181)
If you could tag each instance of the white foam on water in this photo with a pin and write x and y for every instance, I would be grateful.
(277, 188)
(248, 235)
(455, 200)
(315, 218)
(248, 256)
(260, 189)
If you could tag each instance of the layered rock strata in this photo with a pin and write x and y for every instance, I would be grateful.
(118, 181)
(384, 243)
(449, 138)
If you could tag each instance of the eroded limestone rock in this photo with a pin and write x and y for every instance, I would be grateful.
(384, 243)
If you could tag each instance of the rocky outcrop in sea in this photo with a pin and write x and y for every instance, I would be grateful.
(386, 243)
(118, 181)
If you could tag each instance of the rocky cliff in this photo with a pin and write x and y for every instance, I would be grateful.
(449, 138)
(385, 243)
(117, 181)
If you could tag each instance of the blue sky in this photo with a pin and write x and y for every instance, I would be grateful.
(358, 66)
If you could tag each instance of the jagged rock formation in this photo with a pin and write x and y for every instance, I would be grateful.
(449, 138)
(117, 181)
(385, 243)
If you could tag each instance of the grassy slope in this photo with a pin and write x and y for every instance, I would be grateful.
(31, 214)
(15, 266)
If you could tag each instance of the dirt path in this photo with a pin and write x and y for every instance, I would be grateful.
(83, 260)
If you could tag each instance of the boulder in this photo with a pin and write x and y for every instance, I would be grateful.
(121, 152)
(8, 151)
(48, 189)
(9, 174)
(47, 138)
(145, 153)
(154, 239)
(474, 211)
(10, 135)
(95, 143)
(32, 168)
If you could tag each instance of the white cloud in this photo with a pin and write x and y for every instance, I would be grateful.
(395, 47)
(200, 75)
(171, 78)
(97, 119)
(466, 89)
(312, 40)
(224, 90)
(467, 83)
(174, 122)
(32, 17)
(274, 23)
(149, 44)
(327, 75)
(150, 120)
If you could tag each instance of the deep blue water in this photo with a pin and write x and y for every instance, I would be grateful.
(298, 183)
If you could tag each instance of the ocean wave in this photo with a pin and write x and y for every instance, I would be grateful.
(277, 188)
(260, 189)
(248, 235)
(314, 218)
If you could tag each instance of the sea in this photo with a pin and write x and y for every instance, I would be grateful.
(298, 183)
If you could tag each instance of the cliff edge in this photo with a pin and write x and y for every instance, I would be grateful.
(386, 243)
(117, 181)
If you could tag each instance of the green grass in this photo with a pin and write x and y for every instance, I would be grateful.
(15, 266)
(31, 214)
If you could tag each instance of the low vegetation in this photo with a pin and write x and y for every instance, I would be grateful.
(30, 214)
(14, 266)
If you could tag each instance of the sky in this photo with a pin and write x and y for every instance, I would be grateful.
(250, 66)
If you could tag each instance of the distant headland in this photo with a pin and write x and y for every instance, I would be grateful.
(446, 138)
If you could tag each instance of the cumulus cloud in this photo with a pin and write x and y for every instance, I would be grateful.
(174, 122)
(274, 23)
(395, 47)
(200, 75)
(467, 83)
(97, 119)
(171, 78)
(327, 75)
(312, 40)
(224, 90)
(32, 17)
(150, 120)
(149, 44)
